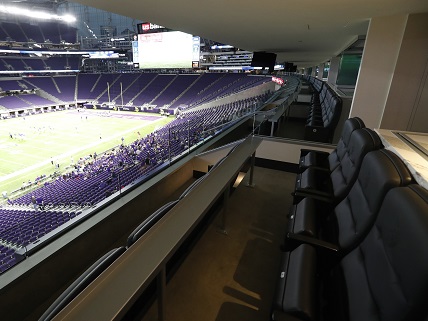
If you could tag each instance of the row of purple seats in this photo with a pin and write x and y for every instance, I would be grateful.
(163, 90)
(10, 217)
(104, 175)
(100, 86)
(175, 88)
(44, 83)
(13, 102)
(73, 62)
(8, 85)
(157, 147)
(20, 227)
(124, 81)
(57, 63)
(85, 84)
(128, 93)
(67, 87)
(203, 82)
(32, 31)
(245, 83)
(24, 101)
(107, 259)
(137, 89)
(35, 63)
(215, 89)
(40, 224)
(153, 89)
(8, 258)
(13, 31)
(36, 100)
(48, 63)
(41, 32)
(9, 63)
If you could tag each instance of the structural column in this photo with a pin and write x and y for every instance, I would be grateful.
(333, 71)
(320, 71)
(407, 103)
(314, 71)
(380, 56)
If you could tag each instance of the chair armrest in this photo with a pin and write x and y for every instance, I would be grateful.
(283, 316)
(299, 194)
(305, 151)
(321, 174)
(297, 239)
(321, 169)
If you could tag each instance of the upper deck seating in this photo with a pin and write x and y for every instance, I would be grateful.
(14, 31)
(32, 32)
(52, 31)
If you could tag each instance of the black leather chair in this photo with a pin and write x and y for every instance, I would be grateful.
(323, 118)
(334, 186)
(329, 161)
(384, 278)
(81, 283)
(347, 225)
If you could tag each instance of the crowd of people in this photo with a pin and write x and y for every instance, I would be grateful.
(164, 144)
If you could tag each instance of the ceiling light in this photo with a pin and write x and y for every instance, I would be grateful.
(35, 14)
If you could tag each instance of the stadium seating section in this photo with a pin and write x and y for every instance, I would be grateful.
(133, 89)
(42, 32)
(61, 202)
(34, 37)
(96, 178)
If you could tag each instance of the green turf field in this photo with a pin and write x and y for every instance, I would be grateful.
(63, 137)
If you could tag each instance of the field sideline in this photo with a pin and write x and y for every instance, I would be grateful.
(29, 144)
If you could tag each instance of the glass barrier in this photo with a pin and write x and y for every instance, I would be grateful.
(60, 200)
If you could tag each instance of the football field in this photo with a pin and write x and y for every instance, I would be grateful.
(29, 145)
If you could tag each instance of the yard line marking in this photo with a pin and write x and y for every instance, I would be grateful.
(71, 153)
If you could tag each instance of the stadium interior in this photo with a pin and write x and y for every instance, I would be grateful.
(165, 160)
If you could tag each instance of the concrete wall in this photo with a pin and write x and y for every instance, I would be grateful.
(407, 104)
(377, 68)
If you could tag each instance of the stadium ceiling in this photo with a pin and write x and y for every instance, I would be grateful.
(305, 32)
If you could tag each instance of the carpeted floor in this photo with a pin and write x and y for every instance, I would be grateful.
(232, 276)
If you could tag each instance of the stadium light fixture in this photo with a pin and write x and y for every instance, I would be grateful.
(68, 18)
(35, 14)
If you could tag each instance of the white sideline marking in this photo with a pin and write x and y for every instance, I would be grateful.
(70, 153)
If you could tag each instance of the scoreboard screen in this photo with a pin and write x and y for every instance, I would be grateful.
(173, 49)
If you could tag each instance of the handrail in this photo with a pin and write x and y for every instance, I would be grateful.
(109, 296)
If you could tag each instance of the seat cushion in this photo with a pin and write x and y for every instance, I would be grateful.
(386, 276)
(296, 290)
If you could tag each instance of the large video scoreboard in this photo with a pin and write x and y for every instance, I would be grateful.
(159, 47)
